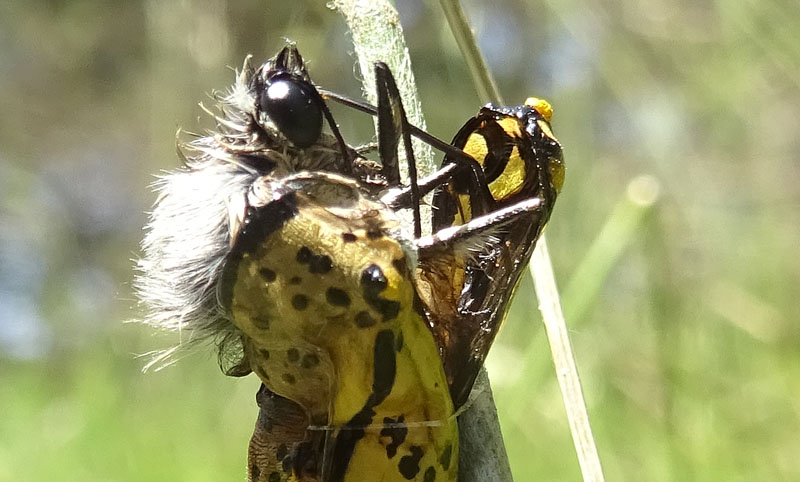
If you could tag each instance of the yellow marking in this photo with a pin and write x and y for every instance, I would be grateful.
(541, 106)
(557, 173)
(511, 179)
(511, 126)
(476, 147)
(545, 127)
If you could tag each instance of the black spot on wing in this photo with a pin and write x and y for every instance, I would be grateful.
(292, 354)
(303, 255)
(349, 237)
(373, 282)
(430, 475)
(385, 366)
(444, 459)
(267, 274)
(409, 464)
(400, 265)
(261, 322)
(337, 297)
(319, 264)
(346, 442)
(300, 302)
(310, 360)
(364, 319)
(397, 433)
(383, 377)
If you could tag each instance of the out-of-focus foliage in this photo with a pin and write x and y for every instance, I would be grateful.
(688, 349)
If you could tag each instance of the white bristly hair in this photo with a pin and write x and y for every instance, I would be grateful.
(188, 235)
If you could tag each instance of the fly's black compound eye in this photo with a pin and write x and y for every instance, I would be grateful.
(294, 107)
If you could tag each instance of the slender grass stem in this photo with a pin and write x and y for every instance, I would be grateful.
(462, 32)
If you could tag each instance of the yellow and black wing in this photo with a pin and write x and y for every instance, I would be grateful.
(521, 160)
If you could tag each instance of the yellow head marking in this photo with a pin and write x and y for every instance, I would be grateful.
(541, 106)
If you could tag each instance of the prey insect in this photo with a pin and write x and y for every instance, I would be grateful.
(521, 161)
(503, 169)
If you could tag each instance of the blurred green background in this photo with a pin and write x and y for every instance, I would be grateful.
(681, 287)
